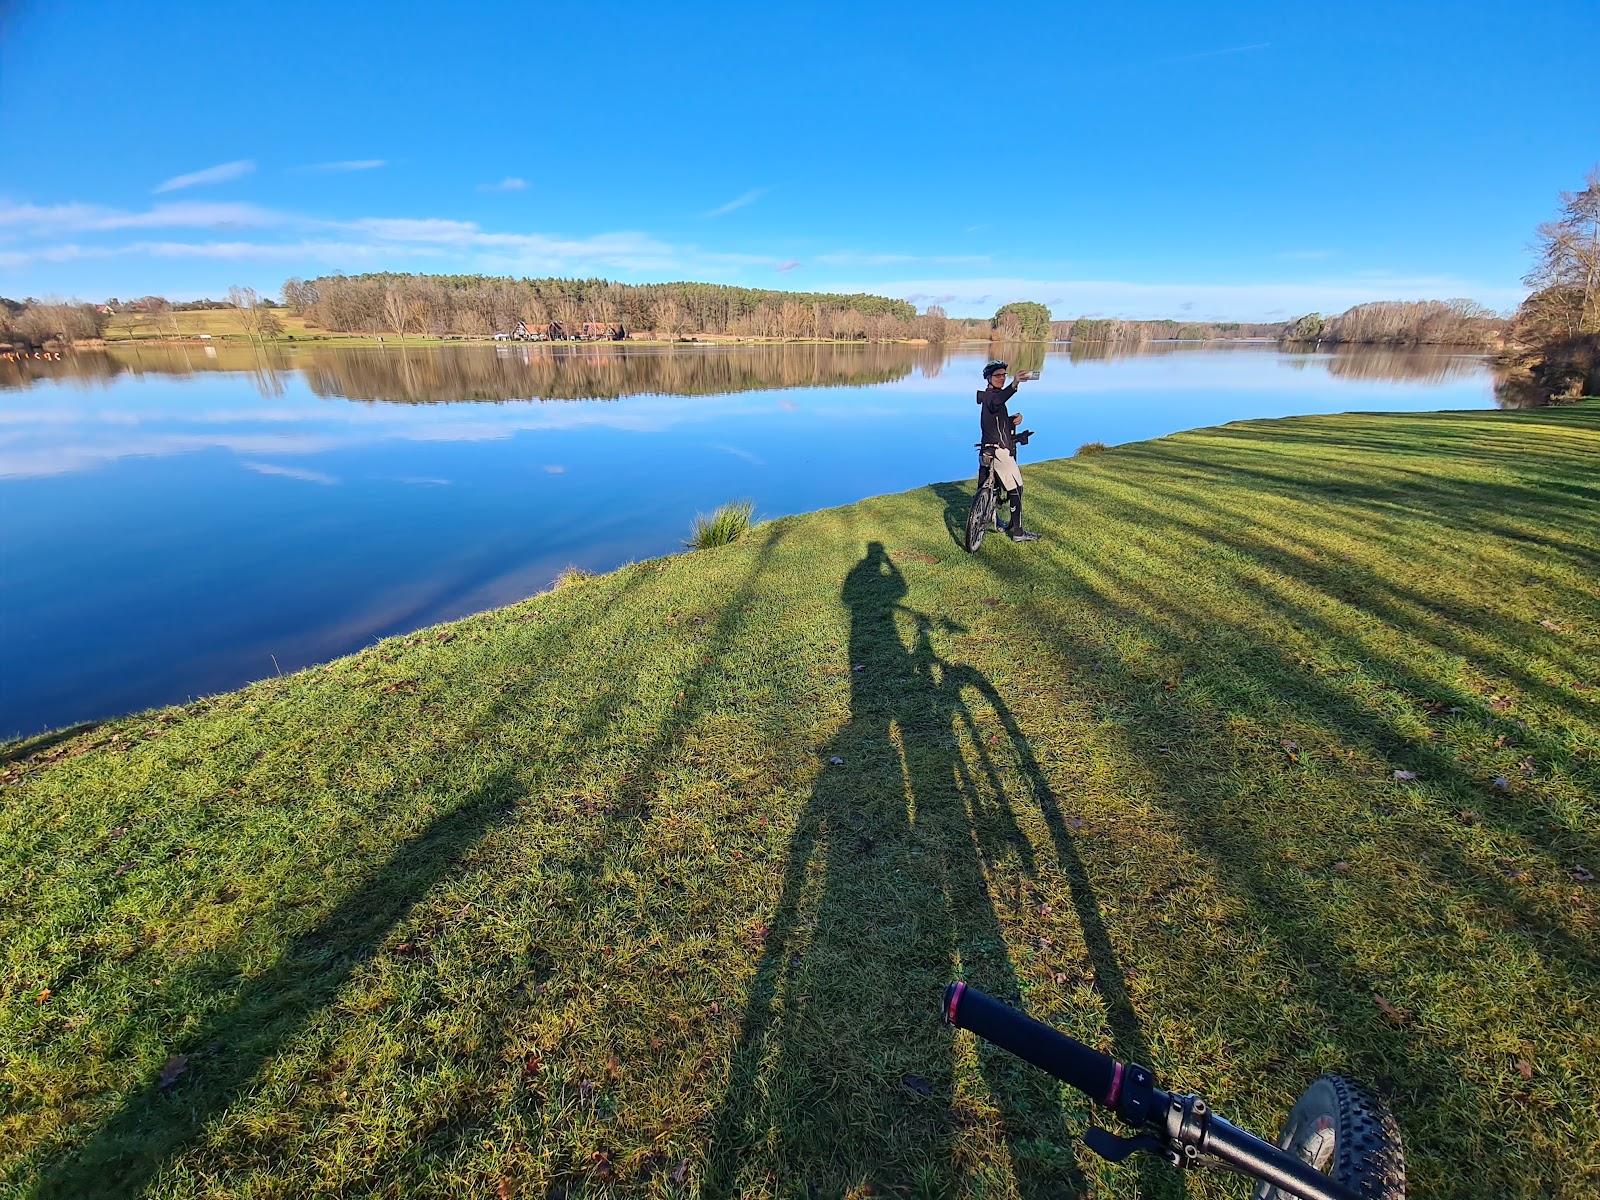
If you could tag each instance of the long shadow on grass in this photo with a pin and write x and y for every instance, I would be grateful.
(214, 1067)
(1258, 838)
(842, 1075)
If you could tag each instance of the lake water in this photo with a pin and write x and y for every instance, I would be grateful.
(179, 521)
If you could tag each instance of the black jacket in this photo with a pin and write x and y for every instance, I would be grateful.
(997, 427)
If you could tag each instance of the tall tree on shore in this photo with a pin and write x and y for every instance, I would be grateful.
(1023, 319)
(396, 308)
(1567, 260)
(244, 302)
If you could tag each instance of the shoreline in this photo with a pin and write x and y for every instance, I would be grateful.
(555, 862)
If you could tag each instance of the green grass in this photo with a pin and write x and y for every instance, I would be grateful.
(723, 527)
(1090, 448)
(571, 898)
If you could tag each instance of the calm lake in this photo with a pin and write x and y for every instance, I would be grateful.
(179, 521)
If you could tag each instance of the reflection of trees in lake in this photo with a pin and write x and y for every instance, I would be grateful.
(599, 373)
(1109, 351)
(607, 371)
(1400, 365)
(468, 373)
(86, 370)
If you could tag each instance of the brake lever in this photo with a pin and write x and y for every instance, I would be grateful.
(1114, 1149)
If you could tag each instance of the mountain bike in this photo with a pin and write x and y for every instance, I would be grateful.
(986, 501)
(1339, 1143)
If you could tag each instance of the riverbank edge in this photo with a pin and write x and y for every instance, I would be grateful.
(545, 866)
(24, 747)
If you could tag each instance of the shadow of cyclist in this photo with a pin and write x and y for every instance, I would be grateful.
(842, 1075)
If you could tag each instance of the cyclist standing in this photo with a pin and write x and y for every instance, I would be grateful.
(1000, 440)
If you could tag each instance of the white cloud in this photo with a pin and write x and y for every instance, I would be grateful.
(1216, 53)
(39, 220)
(349, 164)
(851, 259)
(291, 472)
(220, 173)
(509, 184)
(749, 197)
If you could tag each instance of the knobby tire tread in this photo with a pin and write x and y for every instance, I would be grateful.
(1368, 1157)
(980, 517)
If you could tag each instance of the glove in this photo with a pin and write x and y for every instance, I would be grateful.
(1022, 438)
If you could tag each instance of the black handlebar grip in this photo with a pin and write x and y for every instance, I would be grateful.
(1096, 1075)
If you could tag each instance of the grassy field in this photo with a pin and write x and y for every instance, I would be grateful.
(223, 325)
(1280, 754)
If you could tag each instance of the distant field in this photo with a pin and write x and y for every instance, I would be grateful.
(221, 324)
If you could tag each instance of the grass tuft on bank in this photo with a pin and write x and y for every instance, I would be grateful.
(721, 528)
(1279, 755)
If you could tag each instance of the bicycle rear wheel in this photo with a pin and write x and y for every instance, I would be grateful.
(1343, 1130)
(980, 517)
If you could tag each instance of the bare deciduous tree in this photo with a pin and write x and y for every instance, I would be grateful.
(1567, 253)
(244, 303)
(396, 308)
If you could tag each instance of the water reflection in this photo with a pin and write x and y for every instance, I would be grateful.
(182, 519)
(609, 372)
(1396, 365)
(479, 373)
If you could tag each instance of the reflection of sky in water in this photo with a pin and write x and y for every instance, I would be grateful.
(165, 537)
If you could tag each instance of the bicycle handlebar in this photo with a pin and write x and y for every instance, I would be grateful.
(1179, 1128)
(1096, 1075)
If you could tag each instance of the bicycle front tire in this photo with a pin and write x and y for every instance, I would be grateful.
(1343, 1130)
(980, 517)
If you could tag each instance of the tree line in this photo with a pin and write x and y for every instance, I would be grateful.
(1402, 323)
(1552, 350)
(478, 305)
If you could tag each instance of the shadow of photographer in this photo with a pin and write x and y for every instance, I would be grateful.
(901, 874)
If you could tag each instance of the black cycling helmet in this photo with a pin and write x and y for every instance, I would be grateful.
(993, 365)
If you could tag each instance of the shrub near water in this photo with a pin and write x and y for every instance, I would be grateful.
(723, 527)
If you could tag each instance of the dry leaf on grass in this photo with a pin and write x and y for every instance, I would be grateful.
(1397, 1015)
(1404, 776)
(1524, 1068)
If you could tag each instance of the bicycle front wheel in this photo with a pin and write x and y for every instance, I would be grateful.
(1343, 1130)
(980, 517)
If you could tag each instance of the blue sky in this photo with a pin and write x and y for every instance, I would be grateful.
(1247, 161)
